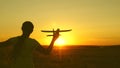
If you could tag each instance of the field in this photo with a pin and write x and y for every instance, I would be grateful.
(71, 57)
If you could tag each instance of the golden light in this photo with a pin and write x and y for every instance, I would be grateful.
(60, 42)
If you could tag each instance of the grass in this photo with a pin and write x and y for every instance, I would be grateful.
(71, 57)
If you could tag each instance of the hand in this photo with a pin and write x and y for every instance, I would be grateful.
(55, 35)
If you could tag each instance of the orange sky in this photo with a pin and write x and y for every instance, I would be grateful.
(92, 21)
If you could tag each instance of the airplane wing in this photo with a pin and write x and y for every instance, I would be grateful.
(47, 31)
(65, 30)
(55, 31)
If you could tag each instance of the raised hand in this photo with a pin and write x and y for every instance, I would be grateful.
(56, 35)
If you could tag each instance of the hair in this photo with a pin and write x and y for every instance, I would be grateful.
(27, 28)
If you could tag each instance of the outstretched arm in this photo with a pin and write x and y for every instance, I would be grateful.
(50, 47)
(5, 43)
(55, 36)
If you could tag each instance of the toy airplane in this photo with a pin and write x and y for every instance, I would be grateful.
(52, 31)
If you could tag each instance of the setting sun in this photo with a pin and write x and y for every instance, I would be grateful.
(92, 23)
(60, 42)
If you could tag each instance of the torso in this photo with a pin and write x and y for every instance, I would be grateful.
(24, 59)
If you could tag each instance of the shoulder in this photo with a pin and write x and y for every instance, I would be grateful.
(33, 42)
(13, 39)
(9, 41)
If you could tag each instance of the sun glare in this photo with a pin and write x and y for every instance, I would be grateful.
(60, 42)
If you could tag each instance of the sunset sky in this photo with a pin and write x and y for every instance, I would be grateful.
(93, 22)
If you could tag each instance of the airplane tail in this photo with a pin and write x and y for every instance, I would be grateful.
(49, 35)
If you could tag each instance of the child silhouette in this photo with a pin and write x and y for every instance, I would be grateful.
(24, 46)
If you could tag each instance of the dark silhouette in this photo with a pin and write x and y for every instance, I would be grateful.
(23, 47)
(58, 30)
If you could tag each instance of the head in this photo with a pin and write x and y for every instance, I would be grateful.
(27, 28)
